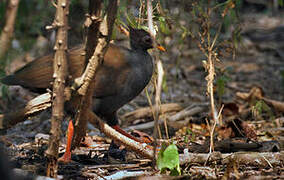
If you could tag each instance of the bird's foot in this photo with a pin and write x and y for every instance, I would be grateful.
(66, 158)
(121, 131)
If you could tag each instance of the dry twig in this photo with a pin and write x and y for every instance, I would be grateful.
(243, 158)
(158, 87)
(146, 111)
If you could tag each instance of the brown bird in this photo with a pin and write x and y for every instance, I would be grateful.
(122, 76)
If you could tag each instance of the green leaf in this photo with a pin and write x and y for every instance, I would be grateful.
(259, 106)
(221, 82)
(164, 28)
(168, 158)
(161, 19)
(164, 84)
(262, 107)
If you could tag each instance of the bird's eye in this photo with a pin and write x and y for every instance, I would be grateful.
(147, 39)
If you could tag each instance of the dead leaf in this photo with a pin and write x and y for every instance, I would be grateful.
(249, 130)
(225, 132)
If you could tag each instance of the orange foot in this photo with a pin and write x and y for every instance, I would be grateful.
(121, 131)
(142, 140)
(66, 158)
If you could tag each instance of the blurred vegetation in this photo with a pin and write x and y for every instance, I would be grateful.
(260, 109)
(34, 15)
(173, 18)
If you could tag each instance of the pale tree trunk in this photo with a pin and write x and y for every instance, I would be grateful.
(8, 30)
(60, 73)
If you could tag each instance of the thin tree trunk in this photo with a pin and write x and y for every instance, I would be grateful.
(7, 32)
(92, 25)
(60, 73)
(94, 57)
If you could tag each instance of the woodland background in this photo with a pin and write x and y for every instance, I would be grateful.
(250, 48)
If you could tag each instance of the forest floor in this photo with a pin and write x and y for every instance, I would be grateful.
(253, 95)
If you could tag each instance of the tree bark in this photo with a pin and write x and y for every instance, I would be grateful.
(92, 25)
(94, 57)
(60, 73)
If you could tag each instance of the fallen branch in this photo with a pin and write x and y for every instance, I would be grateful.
(142, 149)
(278, 105)
(147, 112)
(174, 118)
(256, 93)
(186, 112)
(255, 159)
(32, 108)
(148, 125)
(230, 146)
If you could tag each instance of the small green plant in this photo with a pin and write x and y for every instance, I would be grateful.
(261, 107)
(189, 133)
(168, 159)
(222, 80)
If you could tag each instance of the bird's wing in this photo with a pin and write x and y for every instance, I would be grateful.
(76, 61)
(37, 74)
(112, 75)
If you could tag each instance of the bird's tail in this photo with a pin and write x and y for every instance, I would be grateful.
(10, 80)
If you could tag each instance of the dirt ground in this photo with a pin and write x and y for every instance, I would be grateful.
(258, 64)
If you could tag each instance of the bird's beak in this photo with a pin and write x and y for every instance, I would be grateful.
(160, 47)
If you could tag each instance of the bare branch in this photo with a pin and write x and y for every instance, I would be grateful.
(160, 73)
(256, 159)
(142, 149)
(96, 54)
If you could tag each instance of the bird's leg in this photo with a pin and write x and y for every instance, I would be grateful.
(66, 158)
(121, 131)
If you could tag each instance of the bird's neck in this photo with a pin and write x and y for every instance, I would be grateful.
(137, 47)
(139, 50)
